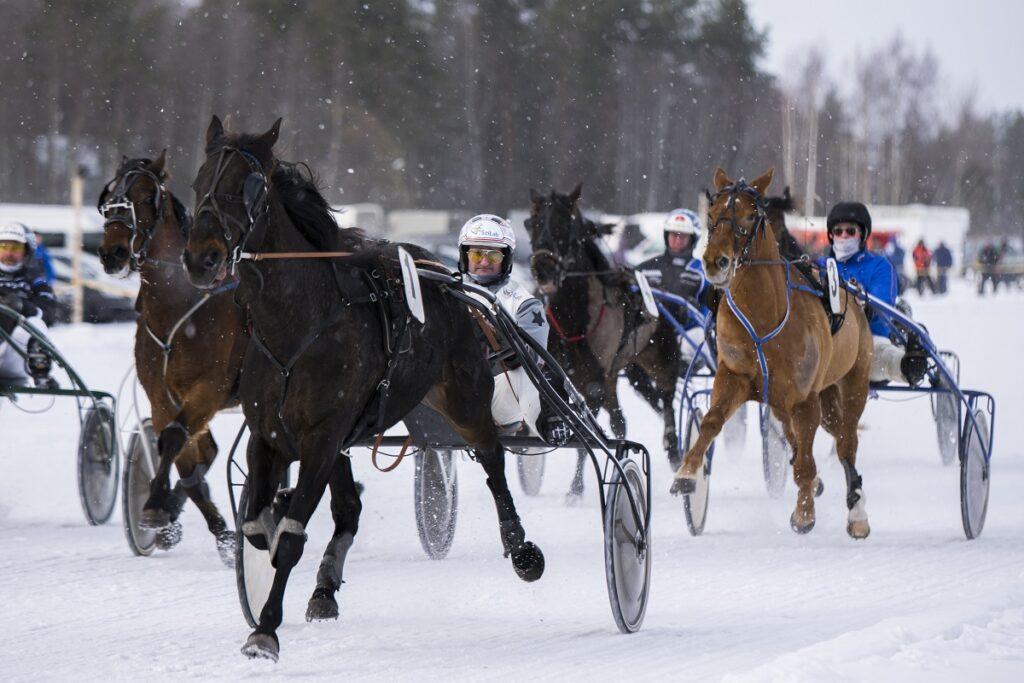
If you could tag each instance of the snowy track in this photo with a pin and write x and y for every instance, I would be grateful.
(749, 600)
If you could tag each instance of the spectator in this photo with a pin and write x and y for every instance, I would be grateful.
(922, 266)
(943, 262)
(988, 259)
(896, 254)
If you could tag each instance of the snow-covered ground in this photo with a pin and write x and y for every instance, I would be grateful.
(749, 600)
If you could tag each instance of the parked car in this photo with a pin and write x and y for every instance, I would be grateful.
(109, 299)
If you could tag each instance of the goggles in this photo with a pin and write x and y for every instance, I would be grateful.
(849, 231)
(492, 255)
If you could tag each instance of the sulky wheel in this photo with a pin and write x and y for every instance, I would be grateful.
(139, 469)
(98, 465)
(254, 575)
(734, 433)
(946, 411)
(974, 475)
(627, 550)
(437, 501)
(531, 472)
(695, 505)
(775, 453)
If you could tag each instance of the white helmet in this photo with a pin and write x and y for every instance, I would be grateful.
(15, 232)
(487, 230)
(684, 221)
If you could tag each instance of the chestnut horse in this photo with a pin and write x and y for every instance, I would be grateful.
(775, 346)
(188, 344)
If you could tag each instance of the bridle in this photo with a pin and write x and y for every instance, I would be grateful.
(254, 199)
(545, 236)
(733, 192)
(114, 200)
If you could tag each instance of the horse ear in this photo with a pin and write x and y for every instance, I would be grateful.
(536, 197)
(786, 195)
(574, 196)
(158, 164)
(721, 179)
(270, 137)
(215, 130)
(762, 182)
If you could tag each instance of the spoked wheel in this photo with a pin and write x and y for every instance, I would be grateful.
(946, 411)
(975, 475)
(437, 501)
(627, 550)
(531, 472)
(734, 433)
(98, 466)
(139, 469)
(695, 505)
(775, 453)
(254, 575)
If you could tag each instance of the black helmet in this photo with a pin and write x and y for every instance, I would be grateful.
(850, 212)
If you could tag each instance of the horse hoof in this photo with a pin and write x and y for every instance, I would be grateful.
(322, 606)
(261, 646)
(169, 536)
(573, 499)
(801, 528)
(819, 487)
(226, 548)
(858, 530)
(675, 460)
(683, 486)
(154, 519)
(528, 561)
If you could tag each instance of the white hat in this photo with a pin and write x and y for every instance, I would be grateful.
(488, 230)
(684, 221)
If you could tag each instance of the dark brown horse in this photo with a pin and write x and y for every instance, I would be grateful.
(335, 354)
(188, 344)
(599, 326)
(813, 377)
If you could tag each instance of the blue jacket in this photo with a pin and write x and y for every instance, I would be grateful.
(877, 276)
(681, 275)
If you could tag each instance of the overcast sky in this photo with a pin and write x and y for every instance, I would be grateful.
(978, 43)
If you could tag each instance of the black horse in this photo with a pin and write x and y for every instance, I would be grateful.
(335, 356)
(598, 320)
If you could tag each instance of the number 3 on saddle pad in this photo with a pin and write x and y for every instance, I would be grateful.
(411, 283)
(832, 270)
(645, 293)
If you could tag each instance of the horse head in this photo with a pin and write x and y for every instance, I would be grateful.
(132, 204)
(736, 219)
(556, 229)
(232, 189)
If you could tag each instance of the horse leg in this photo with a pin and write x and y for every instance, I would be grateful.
(729, 392)
(319, 458)
(345, 509)
(527, 559)
(164, 504)
(660, 361)
(840, 413)
(611, 404)
(804, 419)
(193, 464)
(575, 494)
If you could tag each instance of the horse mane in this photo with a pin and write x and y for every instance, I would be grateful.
(300, 194)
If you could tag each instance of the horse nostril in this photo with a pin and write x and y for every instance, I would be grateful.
(119, 253)
(722, 263)
(211, 259)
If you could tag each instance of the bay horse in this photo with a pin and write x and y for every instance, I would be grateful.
(188, 344)
(775, 346)
(599, 326)
(335, 356)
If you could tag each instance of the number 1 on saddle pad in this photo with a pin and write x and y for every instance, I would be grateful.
(645, 293)
(411, 283)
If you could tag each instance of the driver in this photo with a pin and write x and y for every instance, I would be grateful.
(849, 226)
(678, 272)
(486, 246)
(24, 289)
